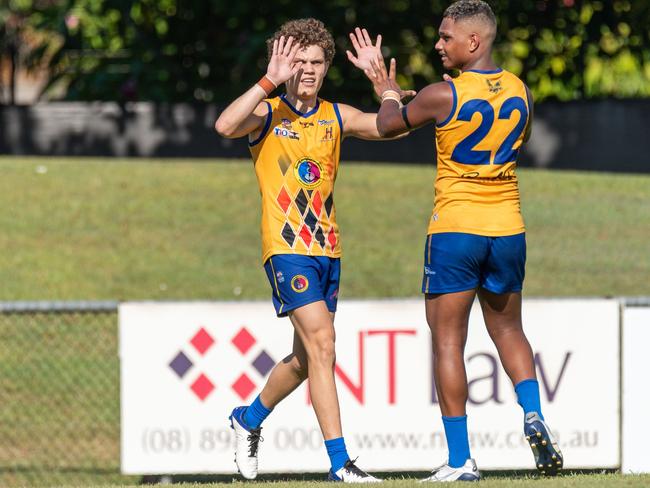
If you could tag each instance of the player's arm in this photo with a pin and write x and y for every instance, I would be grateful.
(531, 109)
(361, 124)
(432, 104)
(247, 113)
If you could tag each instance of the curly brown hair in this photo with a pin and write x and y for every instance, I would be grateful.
(307, 32)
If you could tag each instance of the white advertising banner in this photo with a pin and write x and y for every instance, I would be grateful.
(184, 366)
(636, 393)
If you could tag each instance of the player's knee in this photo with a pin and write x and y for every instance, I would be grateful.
(505, 328)
(321, 350)
(448, 347)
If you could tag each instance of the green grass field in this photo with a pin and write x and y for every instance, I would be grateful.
(488, 481)
(105, 229)
(83, 229)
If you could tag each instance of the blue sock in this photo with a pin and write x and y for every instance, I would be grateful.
(528, 396)
(457, 440)
(337, 452)
(256, 413)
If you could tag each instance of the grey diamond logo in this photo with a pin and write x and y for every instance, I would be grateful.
(180, 364)
(263, 363)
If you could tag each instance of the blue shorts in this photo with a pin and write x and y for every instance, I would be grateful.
(455, 261)
(298, 280)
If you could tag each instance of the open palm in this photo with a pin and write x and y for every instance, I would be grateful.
(364, 49)
(281, 66)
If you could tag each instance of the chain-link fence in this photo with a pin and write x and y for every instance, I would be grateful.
(59, 394)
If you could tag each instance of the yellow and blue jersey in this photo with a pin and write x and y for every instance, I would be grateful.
(296, 160)
(476, 186)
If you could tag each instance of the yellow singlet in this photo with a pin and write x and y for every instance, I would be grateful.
(476, 186)
(296, 159)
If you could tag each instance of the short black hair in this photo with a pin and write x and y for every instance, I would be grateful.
(464, 9)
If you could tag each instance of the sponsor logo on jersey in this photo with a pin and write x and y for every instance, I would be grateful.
(505, 175)
(329, 135)
(299, 283)
(305, 124)
(280, 277)
(288, 133)
(308, 172)
(286, 123)
(494, 87)
(322, 122)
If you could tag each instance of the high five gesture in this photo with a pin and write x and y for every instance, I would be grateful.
(383, 82)
(281, 65)
(364, 48)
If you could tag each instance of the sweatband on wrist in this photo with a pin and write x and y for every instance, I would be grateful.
(392, 94)
(267, 85)
(388, 97)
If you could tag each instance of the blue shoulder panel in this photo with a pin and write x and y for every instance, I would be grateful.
(267, 124)
(338, 117)
(453, 107)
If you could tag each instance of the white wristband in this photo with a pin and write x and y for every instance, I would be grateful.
(390, 93)
(389, 97)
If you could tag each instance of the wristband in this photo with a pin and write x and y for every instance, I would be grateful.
(392, 94)
(388, 97)
(267, 85)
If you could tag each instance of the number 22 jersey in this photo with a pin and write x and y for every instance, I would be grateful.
(477, 146)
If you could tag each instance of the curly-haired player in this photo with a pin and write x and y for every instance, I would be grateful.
(295, 141)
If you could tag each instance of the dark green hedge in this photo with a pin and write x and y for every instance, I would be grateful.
(211, 50)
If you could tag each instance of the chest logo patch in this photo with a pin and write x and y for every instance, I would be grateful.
(308, 172)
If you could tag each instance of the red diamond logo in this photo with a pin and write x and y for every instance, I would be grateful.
(202, 341)
(243, 386)
(317, 203)
(202, 387)
(331, 237)
(243, 340)
(284, 199)
(305, 234)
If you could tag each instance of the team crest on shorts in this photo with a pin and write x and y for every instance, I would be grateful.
(299, 283)
(308, 172)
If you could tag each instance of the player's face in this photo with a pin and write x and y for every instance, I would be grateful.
(453, 43)
(307, 82)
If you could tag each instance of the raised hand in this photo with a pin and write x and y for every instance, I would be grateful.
(383, 80)
(365, 50)
(281, 66)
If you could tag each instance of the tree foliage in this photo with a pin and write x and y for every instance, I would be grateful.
(212, 50)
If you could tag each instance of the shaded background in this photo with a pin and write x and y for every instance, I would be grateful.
(143, 78)
(164, 68)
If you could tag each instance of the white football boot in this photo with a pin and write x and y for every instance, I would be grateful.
(445, 473)
(246, 445)
(350, 473)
